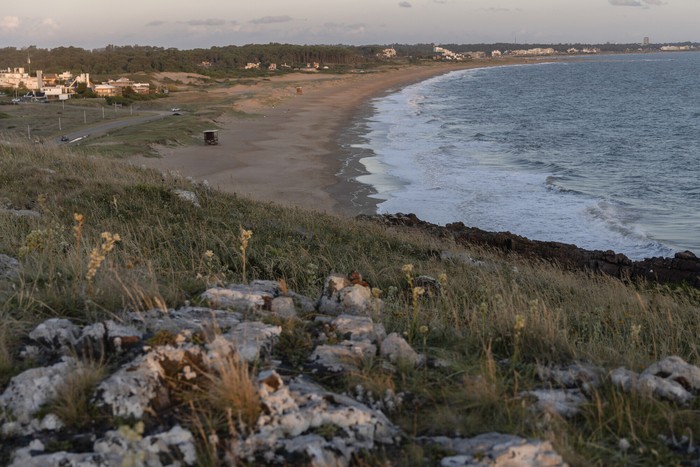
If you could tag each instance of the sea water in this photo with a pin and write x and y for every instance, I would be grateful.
(600, 152)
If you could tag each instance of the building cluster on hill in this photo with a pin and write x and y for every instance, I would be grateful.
(60, 86)
(441, 53)
(119, 87)
(676, 48)
(444, 54)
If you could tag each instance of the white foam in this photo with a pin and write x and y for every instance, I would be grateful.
(430, 165)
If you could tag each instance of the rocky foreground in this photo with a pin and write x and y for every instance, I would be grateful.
(152, 355)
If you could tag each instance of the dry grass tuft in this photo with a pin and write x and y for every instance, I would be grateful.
(72, 401)
(6, 360)
(231, 390)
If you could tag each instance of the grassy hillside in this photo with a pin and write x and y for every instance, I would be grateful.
(492, 321)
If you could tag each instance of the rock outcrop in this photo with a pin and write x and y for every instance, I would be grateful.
(496, 450)
(153, 355)
(9, 267)
(684, 267)
(671, 379)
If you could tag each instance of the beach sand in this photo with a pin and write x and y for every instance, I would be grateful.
(286, 147)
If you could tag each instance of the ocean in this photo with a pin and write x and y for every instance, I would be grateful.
(602, 152)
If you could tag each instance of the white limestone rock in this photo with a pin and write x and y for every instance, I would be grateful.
(663, 388)
(253, 340)
(233, 299)
(671, 379)
(577, 375)
(31, 457)
(341, 357)
(358, 328)
(125, 446)
(137, 386)
(31, 389)
(195, 319)
(274, 394)
(188, 196)
(677, 370)
(302, 302)
(56, 335)
(9, 268)
(562, 402)
(316, 450)
(292, 414)
(175, 447)
(50, 422)
(389, 402)
(495, 449)
(270, 288)
(21, 213)
(283, 307)
(396, 349)
(110, 333)
(341, 296)
(624, 379)
(461, 257)
(243, 298)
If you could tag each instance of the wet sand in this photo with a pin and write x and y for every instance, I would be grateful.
(286, 148)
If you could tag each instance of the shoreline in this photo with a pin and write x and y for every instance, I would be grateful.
(292, 149)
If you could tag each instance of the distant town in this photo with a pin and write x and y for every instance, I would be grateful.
(124, 61)
(51, 86)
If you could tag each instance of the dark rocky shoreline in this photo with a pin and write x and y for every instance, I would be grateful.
(683, 268)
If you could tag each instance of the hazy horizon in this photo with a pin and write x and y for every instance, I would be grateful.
(216, 22)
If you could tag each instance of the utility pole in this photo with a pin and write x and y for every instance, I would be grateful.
(59, 124)
(84, 117)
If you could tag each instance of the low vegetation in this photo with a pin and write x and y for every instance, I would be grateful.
(111, 237)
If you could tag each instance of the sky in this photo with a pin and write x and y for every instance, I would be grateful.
(207, 23)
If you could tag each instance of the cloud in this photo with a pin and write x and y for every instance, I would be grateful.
(405, 4)
(49, 23)
(205, 22)
(9, 23)
(272, 19)
(343, 28)
(155, 23)
(625, 2)
(636, 3)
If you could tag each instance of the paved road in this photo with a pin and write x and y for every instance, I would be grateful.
(103, 128)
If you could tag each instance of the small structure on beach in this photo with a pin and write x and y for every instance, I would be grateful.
(300, 91)
(211, 137)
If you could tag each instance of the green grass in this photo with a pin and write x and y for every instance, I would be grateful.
(524, 311)
(43, 119)
(140, 139)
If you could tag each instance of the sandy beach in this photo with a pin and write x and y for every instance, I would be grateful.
(285, 147)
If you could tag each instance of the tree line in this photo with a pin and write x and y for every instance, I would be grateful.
(132, 59)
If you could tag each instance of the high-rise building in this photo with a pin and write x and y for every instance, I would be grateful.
(645, 41)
